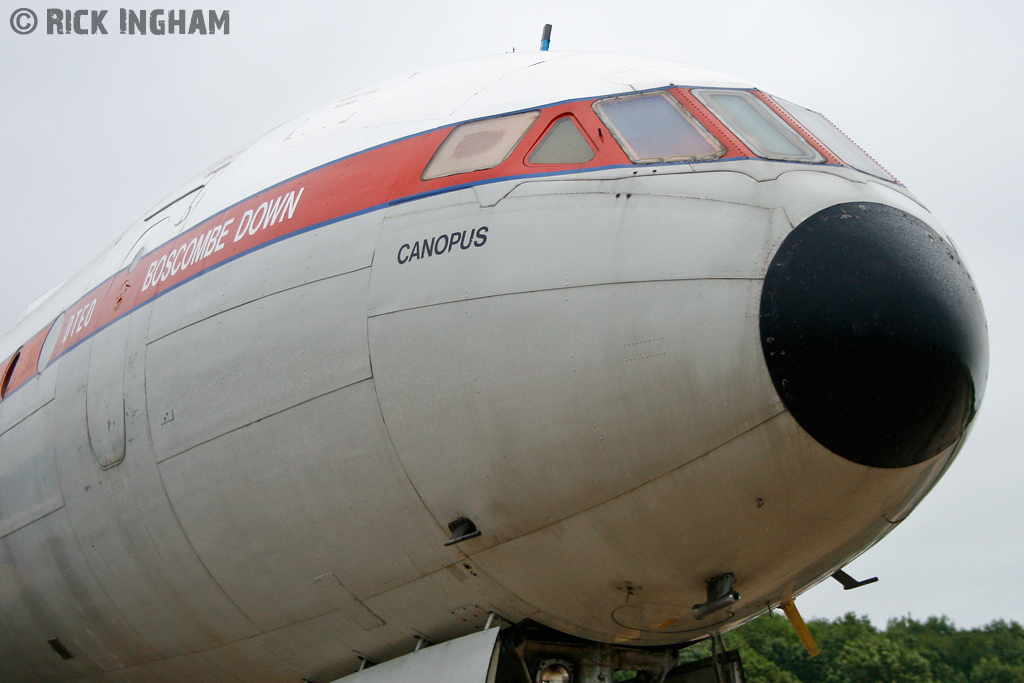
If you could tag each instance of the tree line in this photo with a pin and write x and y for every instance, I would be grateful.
(854, 651)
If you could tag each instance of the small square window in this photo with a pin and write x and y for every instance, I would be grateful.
(479, 145)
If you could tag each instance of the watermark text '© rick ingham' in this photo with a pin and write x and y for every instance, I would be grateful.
(155, 22)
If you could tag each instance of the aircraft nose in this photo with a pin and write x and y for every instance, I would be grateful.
(874, 334)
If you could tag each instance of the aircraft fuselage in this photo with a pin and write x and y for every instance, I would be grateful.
(237, 442)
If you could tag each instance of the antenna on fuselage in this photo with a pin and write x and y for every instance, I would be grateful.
(545, 38)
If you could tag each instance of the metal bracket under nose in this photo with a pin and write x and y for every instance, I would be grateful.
(720, 596)
(462, 529)
(849, 583)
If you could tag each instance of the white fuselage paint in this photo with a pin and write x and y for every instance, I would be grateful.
(582, 377)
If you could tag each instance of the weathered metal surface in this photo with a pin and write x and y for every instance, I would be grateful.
(781, 509)
(468, 659)
(29, 488)
(583, 379)
(104, 393)
(609, 386)
(254, 360)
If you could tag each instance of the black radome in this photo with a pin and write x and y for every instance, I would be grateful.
(874, 334)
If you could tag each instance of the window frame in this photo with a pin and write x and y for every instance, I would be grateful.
(544, 134)
(51, 340)
(718, 145)
(860, 155)
(792, 135)
(443, 148)
(8, 375)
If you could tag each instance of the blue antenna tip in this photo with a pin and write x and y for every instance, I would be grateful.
(545, 38)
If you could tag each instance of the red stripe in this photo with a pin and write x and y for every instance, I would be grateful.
(363, 181)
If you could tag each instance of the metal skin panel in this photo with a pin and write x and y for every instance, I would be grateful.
(247, 660)
(468, 659)
(58, 597)
(605, 386)
(105, 394)
(448, 603)
(28, 472)
(240, 662)
(185, 668)
(803, 193)
(461, 596)
(263, 357)
(773, 185)
(328, 646)
(564, 239)
(435, 606)
(768, 184)
(29, 398)
(127, 531)
(278, 489)
(316, 255)
(784, 513)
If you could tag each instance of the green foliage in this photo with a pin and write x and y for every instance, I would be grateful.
(855, 651)
(759, 669)
(878, 659)
(991, 670)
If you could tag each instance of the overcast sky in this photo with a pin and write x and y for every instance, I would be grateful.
(96, 129)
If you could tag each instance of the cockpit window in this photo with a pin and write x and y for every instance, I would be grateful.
(761, 129)
(5, 383)
(837, 141)
(50, 343)
(654, 127)
(479, 145)
(563, 144)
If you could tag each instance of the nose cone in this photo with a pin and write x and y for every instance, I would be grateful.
(874, 335)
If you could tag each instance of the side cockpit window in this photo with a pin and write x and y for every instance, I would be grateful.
(655, 128)
(50, 343)
(562, 144)
(479, 145)
(5, 383)
(837, 141)
(760, 128)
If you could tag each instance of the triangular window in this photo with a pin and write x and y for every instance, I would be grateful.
(563, 144)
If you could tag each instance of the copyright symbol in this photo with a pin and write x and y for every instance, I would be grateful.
(24, 21)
